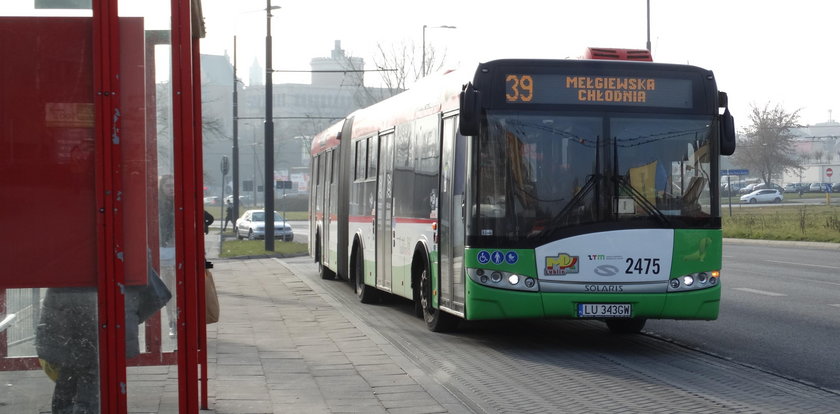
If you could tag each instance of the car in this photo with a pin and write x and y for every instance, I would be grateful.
(211, 201)
(820, 188)
(747, 188)
(796, 187)
(835, 187)
(769, 195)
(243, 200)
(763, 186)
(252, 226)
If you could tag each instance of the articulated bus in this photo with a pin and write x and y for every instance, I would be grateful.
(581, 189)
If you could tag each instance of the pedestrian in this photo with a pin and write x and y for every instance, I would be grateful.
(228, 216)
(66, 342)
(166, 221)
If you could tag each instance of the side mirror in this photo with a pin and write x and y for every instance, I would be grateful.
(727, 133)
(470, 110)
(727, 126)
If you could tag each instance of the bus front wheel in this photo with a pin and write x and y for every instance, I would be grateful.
(436, 320)
(626, 325)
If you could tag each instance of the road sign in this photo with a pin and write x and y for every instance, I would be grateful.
(225, 165)
(735, 172)
(829, 172)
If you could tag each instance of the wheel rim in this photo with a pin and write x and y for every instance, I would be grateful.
(425, 292)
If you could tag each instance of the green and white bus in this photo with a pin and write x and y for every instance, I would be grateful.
(581, 189)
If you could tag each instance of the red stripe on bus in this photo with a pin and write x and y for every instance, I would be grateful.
(360, 219)
(414, 220)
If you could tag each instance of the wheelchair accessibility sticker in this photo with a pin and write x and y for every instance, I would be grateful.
(497, 257)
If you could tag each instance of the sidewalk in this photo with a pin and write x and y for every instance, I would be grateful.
(283, 346)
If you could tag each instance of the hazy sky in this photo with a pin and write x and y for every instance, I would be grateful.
(761, 51)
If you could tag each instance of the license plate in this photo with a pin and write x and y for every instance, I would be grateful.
(604, 310)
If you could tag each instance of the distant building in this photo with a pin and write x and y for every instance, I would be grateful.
(300, 111)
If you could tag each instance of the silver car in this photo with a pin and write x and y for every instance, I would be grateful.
(770, 195)
(252, 226)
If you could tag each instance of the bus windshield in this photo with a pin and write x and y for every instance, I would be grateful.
(542, 173)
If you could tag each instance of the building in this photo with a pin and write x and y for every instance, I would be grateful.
(336, 89)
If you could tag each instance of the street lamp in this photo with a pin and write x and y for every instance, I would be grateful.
(423, 63)
(268, 183)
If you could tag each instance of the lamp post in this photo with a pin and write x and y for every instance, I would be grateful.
(268, 183)
(423, 63)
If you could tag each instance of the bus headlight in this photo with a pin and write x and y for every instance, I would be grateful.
(694, 281)
(494, 278)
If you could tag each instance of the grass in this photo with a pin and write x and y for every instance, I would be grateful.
(818, 223)
(250, 248)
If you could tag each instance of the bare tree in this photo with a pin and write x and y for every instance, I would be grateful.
(819, 155)
(767, 144)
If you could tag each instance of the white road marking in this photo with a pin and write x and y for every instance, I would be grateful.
(802, 264)
(836, 305)
(760, 292)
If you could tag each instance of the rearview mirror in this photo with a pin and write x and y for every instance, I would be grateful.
(470, 110)
(727, 133)
(727, 126)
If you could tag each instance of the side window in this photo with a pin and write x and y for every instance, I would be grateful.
(361, 159)
(373, 153)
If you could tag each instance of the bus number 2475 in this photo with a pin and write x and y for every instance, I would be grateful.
(642, 266)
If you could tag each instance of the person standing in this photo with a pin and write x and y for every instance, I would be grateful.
(166, 210)
(228, 216)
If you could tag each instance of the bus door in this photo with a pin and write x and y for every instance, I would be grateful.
(451, 208)
(385, 237)
(328, 235)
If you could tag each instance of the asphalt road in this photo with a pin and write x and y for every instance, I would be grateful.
(780, 311)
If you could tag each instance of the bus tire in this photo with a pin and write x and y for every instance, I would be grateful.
(323, 271)
(436, 320)
(366, 294)
(624, 326)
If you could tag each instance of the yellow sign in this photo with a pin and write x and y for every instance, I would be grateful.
(611, 89)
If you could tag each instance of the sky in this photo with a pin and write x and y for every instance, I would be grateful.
(781, 53)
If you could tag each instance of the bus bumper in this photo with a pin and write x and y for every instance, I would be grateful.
(489, 303)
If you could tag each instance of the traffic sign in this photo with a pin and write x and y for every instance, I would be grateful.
(225, 165)
(829, 172)
(735, 172)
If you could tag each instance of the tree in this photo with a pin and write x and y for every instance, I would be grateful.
(818, 155)
(766, 146)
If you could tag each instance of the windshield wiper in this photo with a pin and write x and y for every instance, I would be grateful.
(648, 207)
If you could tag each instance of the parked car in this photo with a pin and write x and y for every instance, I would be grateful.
(795, 187)
(252, 226)
(763, 186)
(770, 195)
(820, 188)
(211, 201)
(748, 188)
(835, 187)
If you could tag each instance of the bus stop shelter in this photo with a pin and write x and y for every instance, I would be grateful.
(100, 188)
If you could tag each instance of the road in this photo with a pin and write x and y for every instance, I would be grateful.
(771, 350)
(780, 311)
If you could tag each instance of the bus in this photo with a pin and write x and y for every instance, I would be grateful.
(580, 189)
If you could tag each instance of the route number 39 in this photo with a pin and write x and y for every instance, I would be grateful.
(519, 88)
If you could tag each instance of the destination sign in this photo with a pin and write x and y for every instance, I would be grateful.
(598, 90)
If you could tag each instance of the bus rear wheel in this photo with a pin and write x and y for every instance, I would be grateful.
(626, 325)
(366, 294)
(436, 320)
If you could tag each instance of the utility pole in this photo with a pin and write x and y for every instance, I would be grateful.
(268, 183)
(235, 154)
(648, 25)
